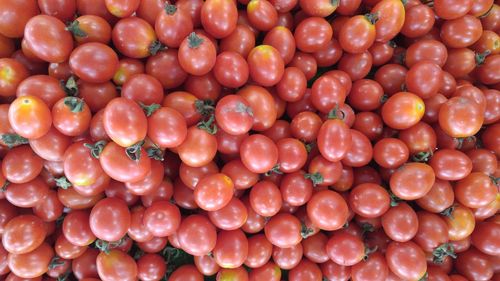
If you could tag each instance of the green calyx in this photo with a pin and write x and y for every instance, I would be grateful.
(149, 109)
(63, 182)
(481, 57)
(394, 199)
(316, 178)
(74, 104)
(369, 251)
(13, 140)
(4, 186)
(422, 157)
(70, 87)
(194, 41)
(204, 107)
(274, 170)
(242, 108)
(209, 126)
(443, 251)
(305, 231)
(105, 246)
(170, 9)
(96, 148)
(155, 153)
(134, 151)
(372, 18)
(74, 28)
(336, 113)
(156, 47)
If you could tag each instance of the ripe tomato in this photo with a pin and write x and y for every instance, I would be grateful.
(27, 195)
(197, 235)
(116, 265)
(134, 37)
(186, 272)
(266, 67)
(432, 231)
(403, 110)
(390, 153)
(151, 267)
(172, 25)
(283, 230)
(71, 116)
(76, 228)
(391, 18)
(168, 59)
(358, 33)
(460, 117)
(110, 209)
(369, 200)
(199, 147)
(122, 8)
(305, 270)
(230, 217)
(167, 127)
(259, 153)
(12, 75)
(80, 167)
(460, 222)
(412, 181)
(90, 28)
(231, 249)
(119, 166)
(400, 223)
(21, 164)
(320, 210)
(475, 190)
(32, 264)
(214, 192)
(474, 265)
(265, 199)
(197, 54)
(262, 15)
(313, 34)
(461, 32)
(327, 93)
(424, 79)
(373, 268)
(219, 18)
(143, 88)
(94, 62)
(406, 260)
(318, 8)
(234, 115)
(30, 117)
(124, 121)
(23, 234)
(231, 69)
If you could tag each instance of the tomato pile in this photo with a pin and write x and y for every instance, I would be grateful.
(300, 140)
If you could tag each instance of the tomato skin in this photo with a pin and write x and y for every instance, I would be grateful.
(312, 34)
(460, 117)
(21, 164)
(197, 235)
(450, 164)
(56, 42)
(259, 153)
(231, 249)
(234, 115)
(206, 265)
(120, 115)
(265, 198)
(116, 265)
(32, 264)
(374, 268)
(266, 67)
(483, 238)
(173, 26)
(461, 32)
(399, 261)
(167, 127)
(186, 272)
(133, 37)
(360, 153)
(407, 106)
(390, 153)
(320, 210)
(120, 167)
(400, 223)
(45, 87)
(461, 223)
(357, 34)
(412, 181)
(334, 151)
(369, 200)
(391, 19)
(27, 195)
(23, 234)
(476, 190)
(12, 75)
(151, 267)
(80, 167)
(474, 265)
(219, 18)
(30, 117)
(70, 120)
(214, 192)
(305, 270)
(199, 147)
(318, 8)
(326, 93)
(143, 88)
(231, 69)
(94, 62)
(345, 249)
(96, 28)
(14, 17)
(197, 54)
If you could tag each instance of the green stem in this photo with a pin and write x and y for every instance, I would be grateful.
(74, 28)
(194, 41)
(443, 251)
(372, 18)
(155, 153)
(170, 9)
(209, 126)
(134, 151)
(316, 178)
(55, 262)
(394, 199)
(305, 231)
(423, 156)
(4, 186)
(105, 246)
(70, 87)
(63, 182)
(155, 47)
(96, 148)
(309, 146)
(13, 140)
(204, 107)
(481, 57)
(149, 109)
(74, 104)
(336, 113)
(448, 212)
(369, 251)
(275, 169)
(242, 108)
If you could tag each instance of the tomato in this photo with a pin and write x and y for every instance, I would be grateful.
(483, 160)
(186, 272)
(197, 235)
(231, 69)
(166, 59)
(345, 249)
(231, 249)
(80, 167)
(214, 192)
(475, 190)
(452, 9)
(134, 37)
(485, 72)
(391, 18)
(117, 211)
(43, 86)
(373, 268)
(21, 164)
(424, 79)
(327, 93)
(116, 265)
(151, 267)
(483, 238)
(259, 251)
(199, 147)
(390, 153)
(265, 198)
(460, 117)
(461, 32)
(283, 230)
(26, 195)
(320, 210)
(184, 196)
(206, 265)
(439, 197)
(143, 88)
(14, 17)
(356, 65)
(419, 20)
(460, 222)
(360, 153)
(318, 8)
(369, 200)
(126, 69)
(76, 228)
(154, 245)
(234, 115)
(474, 265)
(30, 117)
(122, 8)
(172, 25)
(120, 115)
(241, 40)
(262, 104)
(315, 248)
(282, 39)
(266, 67)
(185, 103)
(230, 217)
(403, 110)
(167, 127)
(358, 33)
(94, 62)
(197, 54)
(391, 77)
(12, 74)
(23, 234)
(450, 164)
(313, 34)
(412, 181)
(219, 18)
(400, 223)
(90, 28)
(259, 153)
(432, 231)
(32, 264)
(48, 38)
(406, 260)
(305, 270)
(121, 167)
(71, 116)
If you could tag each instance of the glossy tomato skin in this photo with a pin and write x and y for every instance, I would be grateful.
(23, 234)
(116, 265)
(476, 190)
(13, 73)
(265, 65)
(172, 25)
(403, 110)
(399, 261)
(97, 29)
(21, 164)
(320, 210)
(461, 32)
(199, 147)
(124, 122)
(120, 167)
(32, 264)
(461, 223)
(197, 235)
(334, 151)
(197, 54)
(94, 62)
(68, 118)
(474, 265)
(30, 117)
(219, 18)
(400, 223)
(133, 37)
(167, 127)
(114, 209)
(48, 38)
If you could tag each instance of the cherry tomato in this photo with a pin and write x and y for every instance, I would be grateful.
(23, 234)
(231, 69)
(197, 235)
(116, 265)
(172, 25)
(460, 222)
(12, 75)
(266, 67)
(406, 260)
(214, 192)
(234, 115)
(134, 37)
(474, 265)
(124, 121)
(475, 190)
(283, 230)
(21, 164)
(32, 264)
(231, 249)
(167, 59)
(27, 195)
(391, 18)
(318, 8)
(400, 223)
(197, 54)
(403, 110)
(358, 34)
(320, 210)
(119, 166)
(305, 270)
(90, 28)
(151, 267)
(265, 199)
(461, 32)
(30, 117)
(199, 147)
(219, 18)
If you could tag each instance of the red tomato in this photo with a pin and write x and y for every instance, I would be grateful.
(219, 18)
(134, 37)
(197, 54)
(116, 265)
(406, 260)
(327, 210)
(403, 110)
(259, 153)
(121, 167)
(30, 117)
(110, 209)
(125, 122)
(214, 192)
(197, 235)
(32, 264)
(266, 67)
(12, 75)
